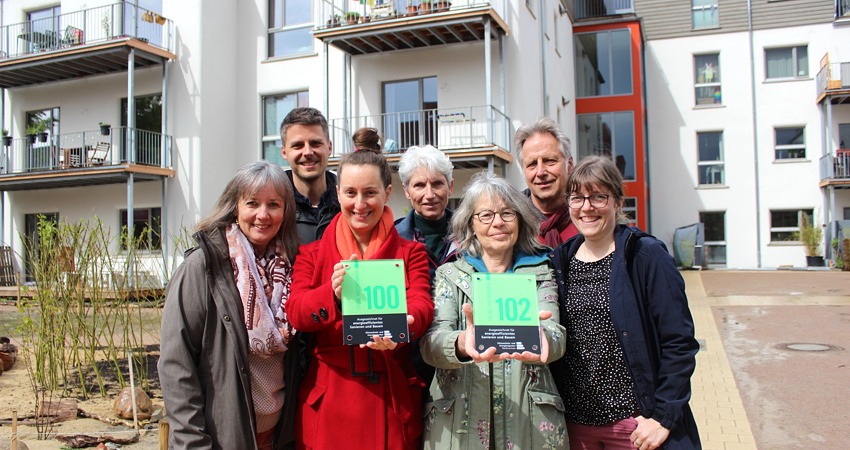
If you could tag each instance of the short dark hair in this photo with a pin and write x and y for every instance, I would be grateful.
(306, 116)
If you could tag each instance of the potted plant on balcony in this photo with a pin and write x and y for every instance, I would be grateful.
(334, 20)
(412, 9)
(7, 140)
(104, 128)
(811, 236)
(425, 6)
(159, 19)
(442, 6)
(351, 17)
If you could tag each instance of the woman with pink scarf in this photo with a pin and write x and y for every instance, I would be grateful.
(229, 357)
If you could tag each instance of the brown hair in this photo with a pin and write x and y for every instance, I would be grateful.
(305, 116)
(600, 172)
(367, 145)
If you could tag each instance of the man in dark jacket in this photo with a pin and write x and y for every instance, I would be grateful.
(307, 146)
(543, 153)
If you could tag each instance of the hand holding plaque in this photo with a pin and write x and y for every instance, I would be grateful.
(374, 303)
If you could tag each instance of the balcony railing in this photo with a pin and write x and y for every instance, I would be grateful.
(458, 129)
(835, 166)
(86, 149)
(842, 9)
(587, 9)
(834, 76)
(335, 13)
(89, 26)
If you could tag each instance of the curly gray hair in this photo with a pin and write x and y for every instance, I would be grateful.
(487, 185)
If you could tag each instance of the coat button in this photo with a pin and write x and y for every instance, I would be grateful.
(323, 312)
(625, 333)
(315, 317)
(226, 318)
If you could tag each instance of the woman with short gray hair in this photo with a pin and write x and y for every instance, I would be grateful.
(496, 228)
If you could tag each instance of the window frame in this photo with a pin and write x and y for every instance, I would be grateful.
(272, 31)
(612, 64)
(609, 118)
(795, 62)
(630, 210)
(711, 163)
(153, 241)
(714, 244)
(702, 9)
(792, 232)
(716, 98)
(302, 98)
(789, 147)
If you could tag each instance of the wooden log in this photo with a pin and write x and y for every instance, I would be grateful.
(163, 434)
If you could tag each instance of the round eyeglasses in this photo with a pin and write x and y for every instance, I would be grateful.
(486, 216)
(596, 200)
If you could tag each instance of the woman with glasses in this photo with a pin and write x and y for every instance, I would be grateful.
(483, 399)
(626, 378)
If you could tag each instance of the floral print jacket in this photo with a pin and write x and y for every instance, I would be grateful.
(528, 412)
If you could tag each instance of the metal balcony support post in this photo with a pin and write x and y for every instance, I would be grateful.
(130, 142)
(487, 82)
(325, 63)
(502, 95)
(163, 216)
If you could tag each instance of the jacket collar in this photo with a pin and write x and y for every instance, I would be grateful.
(327, 198)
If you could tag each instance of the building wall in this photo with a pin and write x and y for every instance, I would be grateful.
(751, 190)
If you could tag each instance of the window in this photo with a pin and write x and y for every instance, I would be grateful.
(707, 79)
(32, 239)
(630, 210)
(148, 130)
(710, 154)
(290, 28)
(790, 62)
(714, 227)
(146, 228)
(785, 224)
(46, 22)
(844, 135)
(603, 63)
(275, 109)
(704, 13)
(409, 110)
(43, 124)
(790, 143)
(609, 134)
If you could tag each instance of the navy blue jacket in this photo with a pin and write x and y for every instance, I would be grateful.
(406, 229)
(654, 327)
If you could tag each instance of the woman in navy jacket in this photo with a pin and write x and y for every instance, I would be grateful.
(626, 376)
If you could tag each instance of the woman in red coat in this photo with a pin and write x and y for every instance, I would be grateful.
(367, 396)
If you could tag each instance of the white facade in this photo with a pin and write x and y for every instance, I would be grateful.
(214, 90)
(755, 181)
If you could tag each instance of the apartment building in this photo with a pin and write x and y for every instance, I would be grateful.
(748, 115)
(211, 82)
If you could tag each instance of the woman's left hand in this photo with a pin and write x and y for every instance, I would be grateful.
(385, 343)
(528, 357)
(649, 434)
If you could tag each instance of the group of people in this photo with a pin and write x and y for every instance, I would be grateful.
(252, 352)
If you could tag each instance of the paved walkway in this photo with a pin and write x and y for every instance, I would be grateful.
(716, 402)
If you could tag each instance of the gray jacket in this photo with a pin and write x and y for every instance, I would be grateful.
(203, 364)
(529, 413)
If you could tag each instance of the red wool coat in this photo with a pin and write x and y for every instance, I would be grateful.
(337, 410)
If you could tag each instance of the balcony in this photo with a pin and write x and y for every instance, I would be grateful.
(472, 137)
(82, 43)
(389, 25)
(592, 9)
(835, 169)
(833, 81)
(84, 159)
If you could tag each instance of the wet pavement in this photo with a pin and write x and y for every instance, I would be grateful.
(774, 372)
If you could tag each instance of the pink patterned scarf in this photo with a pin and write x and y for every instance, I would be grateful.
(263, 284)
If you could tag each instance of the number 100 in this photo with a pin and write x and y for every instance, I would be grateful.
(381, 297)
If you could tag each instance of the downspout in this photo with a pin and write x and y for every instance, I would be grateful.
(755, 131)
(544, 91)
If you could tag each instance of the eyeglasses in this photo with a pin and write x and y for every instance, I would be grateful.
(596, 200)
(486, 217)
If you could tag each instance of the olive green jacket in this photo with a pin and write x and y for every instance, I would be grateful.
(529, 413)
